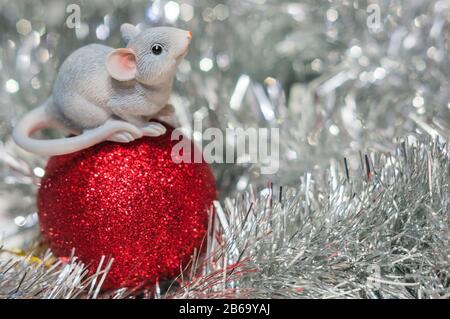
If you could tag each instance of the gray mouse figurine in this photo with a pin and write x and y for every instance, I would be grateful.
(101, 93)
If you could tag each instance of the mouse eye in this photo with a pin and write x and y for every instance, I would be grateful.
(157, 49)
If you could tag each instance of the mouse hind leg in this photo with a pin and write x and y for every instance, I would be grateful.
(93, 116)
(79, 113)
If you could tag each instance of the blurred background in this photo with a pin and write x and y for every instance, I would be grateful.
(338, 78)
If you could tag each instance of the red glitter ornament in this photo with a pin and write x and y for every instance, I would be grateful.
(126, 201)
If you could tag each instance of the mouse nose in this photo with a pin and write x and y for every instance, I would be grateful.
(189, 35)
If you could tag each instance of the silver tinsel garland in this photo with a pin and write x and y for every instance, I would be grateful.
(382, 234)
(360, 206)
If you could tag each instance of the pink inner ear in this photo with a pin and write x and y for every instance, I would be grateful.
(127, 61)
(121, 64)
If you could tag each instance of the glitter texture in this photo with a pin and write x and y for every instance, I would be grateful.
(126, 201)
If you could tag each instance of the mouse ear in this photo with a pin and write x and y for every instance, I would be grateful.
(128, 31)
(121, 64)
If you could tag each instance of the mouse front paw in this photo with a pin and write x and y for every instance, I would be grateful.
(122, 137)
(153, 129)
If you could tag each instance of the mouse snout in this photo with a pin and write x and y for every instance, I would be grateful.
(184, 35)
(183, 40)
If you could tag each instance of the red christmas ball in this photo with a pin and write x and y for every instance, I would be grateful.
(129, 201)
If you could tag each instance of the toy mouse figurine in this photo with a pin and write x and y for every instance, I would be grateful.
(101, 93)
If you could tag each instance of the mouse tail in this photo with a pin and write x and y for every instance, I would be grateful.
(39, 118)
